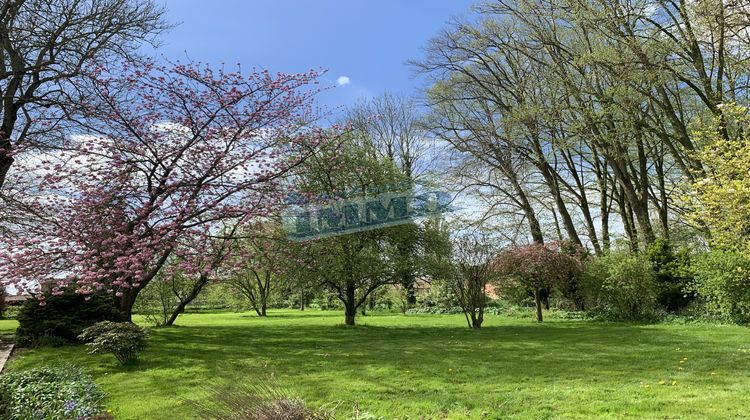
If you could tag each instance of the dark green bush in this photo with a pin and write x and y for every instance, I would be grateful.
(63, 316)
(672, 274)
(50, 393)
(571, 287)
(123, 339)
(722, 281)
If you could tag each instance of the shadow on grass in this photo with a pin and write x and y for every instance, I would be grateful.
(574, 348)
(406, 359)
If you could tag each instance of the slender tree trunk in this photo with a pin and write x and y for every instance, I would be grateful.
(177, 311)
(642, 209)
(604, 209)
(557, 225)
(627, 220)
(302, 300)
(636, 199)
(605, 197)
(197, 288)
(538, 304)
(350, 307)
(562, 209)
(265, 292)
(535, 227)
(661, 202)
(550, 179)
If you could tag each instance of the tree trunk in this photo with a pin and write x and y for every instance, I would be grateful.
(265, 291)
(534, 226)
(605, 198)
(627, 220)
(177, 311)
(636, 196)
(350, 306)
(538, 303)
(197, 287)
(476, 321)
(562, 210)
(5, 163)
(302, 300)
(124, 304)
(604, 207)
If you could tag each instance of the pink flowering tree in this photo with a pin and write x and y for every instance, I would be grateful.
(536, 267)
(162, 156)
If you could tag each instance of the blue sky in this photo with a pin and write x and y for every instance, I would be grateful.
(368, 42)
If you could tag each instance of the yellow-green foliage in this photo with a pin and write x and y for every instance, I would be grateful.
(721, 195)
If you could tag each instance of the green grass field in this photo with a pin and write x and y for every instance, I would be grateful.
(431, 366)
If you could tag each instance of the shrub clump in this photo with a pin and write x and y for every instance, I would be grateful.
(722, 280)
(622, 284)
(123, 339)
(60, 392)
(64, 316)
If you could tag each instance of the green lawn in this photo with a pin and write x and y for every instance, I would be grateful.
(433, 366)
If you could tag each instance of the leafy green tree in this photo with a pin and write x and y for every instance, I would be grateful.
(351, 265)
(722, 280)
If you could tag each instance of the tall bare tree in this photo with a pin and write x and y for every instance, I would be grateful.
(590, 99)
(45, 45)
(388, 125)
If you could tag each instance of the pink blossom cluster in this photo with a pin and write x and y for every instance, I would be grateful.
(166, 163)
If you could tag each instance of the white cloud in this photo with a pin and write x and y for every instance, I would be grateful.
(343, 80)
